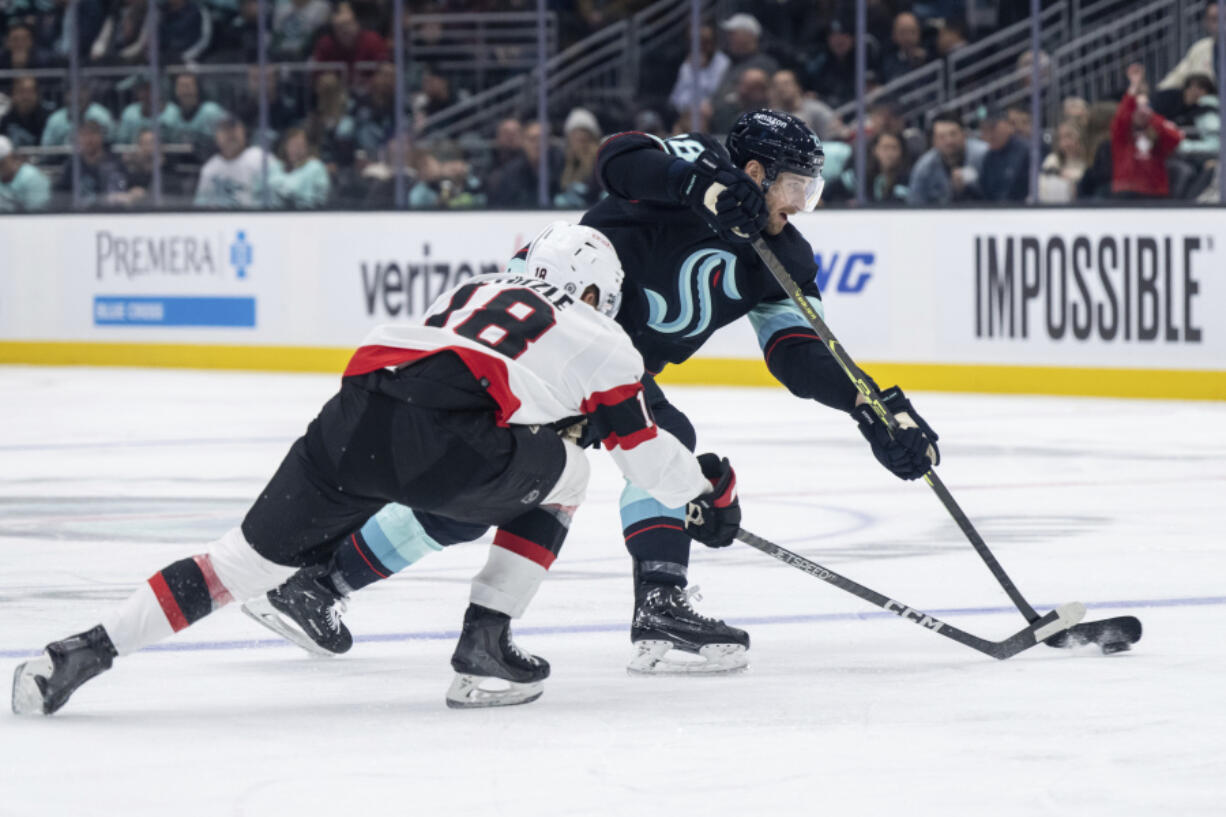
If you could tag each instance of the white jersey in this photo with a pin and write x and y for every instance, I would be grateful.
(236, 182)
(546, 357)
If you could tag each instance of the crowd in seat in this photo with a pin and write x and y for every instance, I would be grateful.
(331, 136)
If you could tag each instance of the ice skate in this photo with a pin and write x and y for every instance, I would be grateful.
(306, 611)
(491, 670)
(671, 637)
(42, 685)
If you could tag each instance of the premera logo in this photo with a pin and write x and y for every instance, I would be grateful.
(846, 272)
(120, 255)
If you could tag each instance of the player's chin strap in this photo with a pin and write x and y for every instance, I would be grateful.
(1106, 633)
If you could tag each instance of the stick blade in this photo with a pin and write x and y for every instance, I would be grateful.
(1110, 634)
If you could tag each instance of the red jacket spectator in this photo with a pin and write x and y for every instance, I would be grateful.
(349, 43)
(1141, 141)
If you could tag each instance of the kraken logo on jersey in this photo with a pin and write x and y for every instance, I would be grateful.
(699, 267)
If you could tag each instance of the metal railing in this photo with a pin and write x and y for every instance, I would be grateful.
(478, 49)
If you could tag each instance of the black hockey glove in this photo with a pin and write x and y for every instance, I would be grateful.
(912, 450)
(729, 201)
(713, 518)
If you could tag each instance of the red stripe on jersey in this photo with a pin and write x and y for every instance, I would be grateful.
(771, 348)
(174, 613)
(488, 367)
(630, 440)
(217, 591)
(353, 540)
(610, 397)
(522, 547)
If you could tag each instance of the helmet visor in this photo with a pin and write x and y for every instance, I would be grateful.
(801, 192)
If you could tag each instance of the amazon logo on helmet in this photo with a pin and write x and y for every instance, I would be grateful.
(780, 141)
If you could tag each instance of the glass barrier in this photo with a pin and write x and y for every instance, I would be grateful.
(269, 105)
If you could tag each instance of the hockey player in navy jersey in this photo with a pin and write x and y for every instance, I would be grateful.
(681, 213)
(456, 416)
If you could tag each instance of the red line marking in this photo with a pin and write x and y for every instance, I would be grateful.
(526, 548)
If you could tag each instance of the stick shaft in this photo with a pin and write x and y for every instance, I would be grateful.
(866, 388)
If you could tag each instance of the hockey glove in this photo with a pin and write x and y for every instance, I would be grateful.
(729, 201)
(714, 518)
(912, 449)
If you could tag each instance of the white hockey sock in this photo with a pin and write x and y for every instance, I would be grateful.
(507, 583)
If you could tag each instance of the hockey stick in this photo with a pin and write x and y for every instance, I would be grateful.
(1112, 635)
(1043, 627)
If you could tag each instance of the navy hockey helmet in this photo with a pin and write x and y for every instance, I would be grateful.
(783, 144)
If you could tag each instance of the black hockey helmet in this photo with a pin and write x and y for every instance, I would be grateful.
(783, 144)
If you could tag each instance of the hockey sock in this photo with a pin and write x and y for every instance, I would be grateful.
(390, 541)
(523, 550)
(174, 598)
(656, 538)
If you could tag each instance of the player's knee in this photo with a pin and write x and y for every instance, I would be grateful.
(243, 571)
(571, 486)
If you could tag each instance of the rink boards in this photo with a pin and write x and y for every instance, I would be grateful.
(1121, 302)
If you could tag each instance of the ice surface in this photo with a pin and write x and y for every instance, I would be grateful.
(108, 475)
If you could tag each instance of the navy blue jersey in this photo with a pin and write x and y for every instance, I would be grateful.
(683, 282)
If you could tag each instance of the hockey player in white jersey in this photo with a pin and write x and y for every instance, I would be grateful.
(457, 416)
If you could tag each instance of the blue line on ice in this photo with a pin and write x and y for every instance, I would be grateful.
(448, 635)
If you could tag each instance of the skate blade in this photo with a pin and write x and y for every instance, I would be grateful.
(661, 658)
(27, 697)
(481, 692)
(259, 609)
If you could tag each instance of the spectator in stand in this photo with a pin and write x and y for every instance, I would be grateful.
(184, 32)
(752, 92)
(445, 180)
(19, 52)
(1199, 60)
(1096, 181)
(684, 123)
(304, 184)
(286, 106)
(786, 95)
(138, 171)
(1023, 123)
(137, 115)
(375, 116)
(25, 121)
(23, 187)
(103, 181)
(237, 38)
(435, 96)
(698, 85)
(742, 35)
(1199, 120)
(58, 130)
(1076, 109)
(508, 141)
(649, 121)
(949, 170)
(189, 119)
(888, 169)
(1141, 142)
(295, 24)
(234, 177)
(331, 125)
(1005, 175)
(580, 188)
(831, 72)
(885, 116)
(951, 35)
(1064, 166)
(123, 38)
(517, 185)
(907, 52)
(349, 43)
